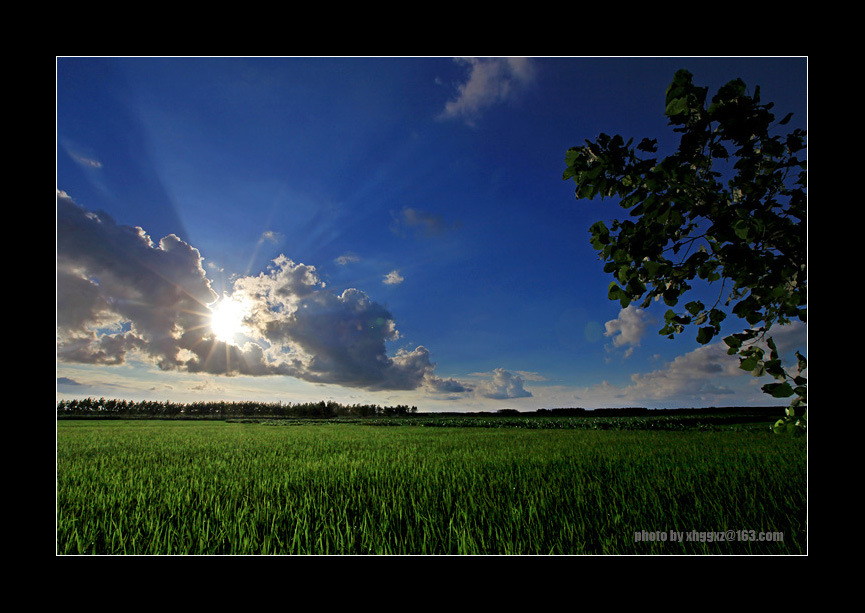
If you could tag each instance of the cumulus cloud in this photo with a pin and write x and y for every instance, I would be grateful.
(490, 81)
(120, 295)
(698, 372)
(708, 374)
(437, 385)
(393, 278)
(110, 275)
(628, 329)
(500, 384)
(503, 385)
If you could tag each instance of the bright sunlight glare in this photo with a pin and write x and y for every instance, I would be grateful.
(226, 319)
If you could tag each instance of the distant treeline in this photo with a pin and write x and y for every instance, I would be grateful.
(636, 411)
(118, 409)
(91, 407)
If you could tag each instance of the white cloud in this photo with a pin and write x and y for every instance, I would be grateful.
(490, 81)
(698, 372)
(109, 275)
(420, 222)
(393, 278)
(87, 160)
(706, 376)
(270, 237)
(446, 386)
(503, 385)
(531, 376)
(628, 329)
(120, 296)
(346, 259)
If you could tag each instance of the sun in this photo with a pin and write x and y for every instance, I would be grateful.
(226, 319)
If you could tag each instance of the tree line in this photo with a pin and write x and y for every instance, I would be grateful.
(328, 409)
(102, 407)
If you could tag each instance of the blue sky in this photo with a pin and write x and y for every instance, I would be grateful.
(397, 228)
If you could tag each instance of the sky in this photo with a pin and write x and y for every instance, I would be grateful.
(387, 230)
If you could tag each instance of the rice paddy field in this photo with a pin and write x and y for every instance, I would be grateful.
(187, 487)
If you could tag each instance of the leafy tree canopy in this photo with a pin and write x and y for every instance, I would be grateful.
(744, 228)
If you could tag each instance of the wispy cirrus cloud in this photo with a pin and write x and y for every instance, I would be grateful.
(415, 221)
(346, 259)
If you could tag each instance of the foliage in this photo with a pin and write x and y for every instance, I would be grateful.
(276, 413)
(148, 487)
(119, 408)
(687, 223)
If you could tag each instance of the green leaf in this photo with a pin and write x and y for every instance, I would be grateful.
(754, 318)
(600, 235)
(636, 288)
(749, 364)
(651, 268)
(733, 342)
(782, 426)
(803, 363)
(648, 145)
(773, 349)
(676, 107)
(716, 317)
(774, 368)
(778, 390)
(742, 229)
(694, 307)
(705, 335)
(671, 296)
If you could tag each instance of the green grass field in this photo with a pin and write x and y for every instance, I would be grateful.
(216, 487)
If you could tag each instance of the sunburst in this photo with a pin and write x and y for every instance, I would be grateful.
(227, 319)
